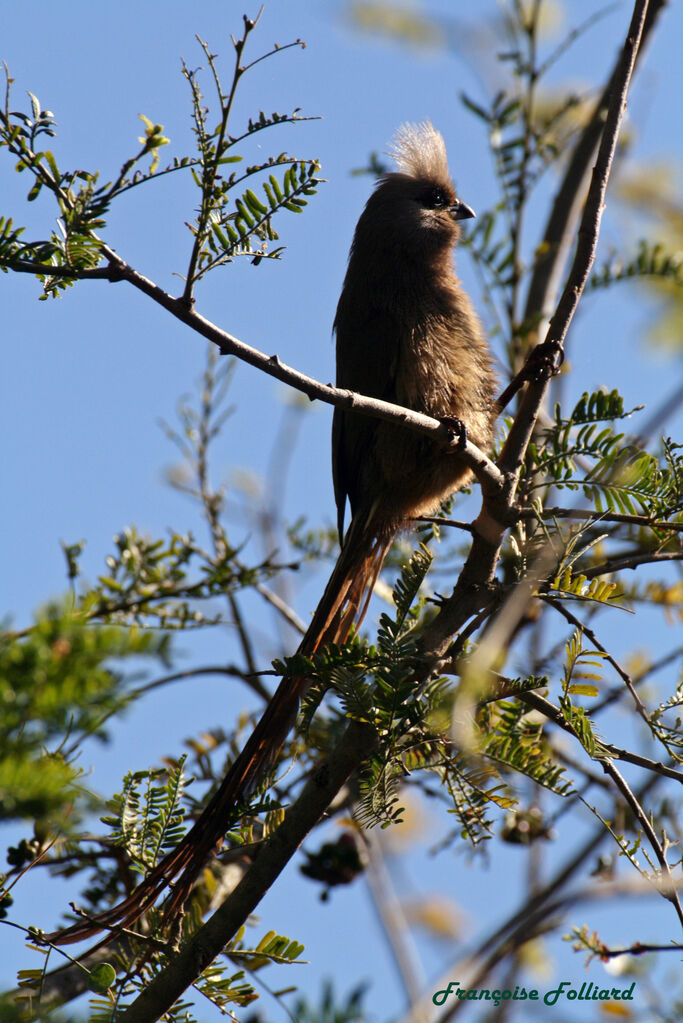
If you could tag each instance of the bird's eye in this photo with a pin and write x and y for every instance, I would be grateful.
(434, 198)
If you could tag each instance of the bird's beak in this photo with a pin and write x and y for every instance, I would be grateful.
(461, 211)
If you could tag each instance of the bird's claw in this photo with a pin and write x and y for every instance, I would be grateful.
(457, 431)
(544, 361)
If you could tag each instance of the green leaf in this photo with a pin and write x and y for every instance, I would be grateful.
(475, 108)
(52, 163)
(584, 690)
(35, 105)
(255, 204)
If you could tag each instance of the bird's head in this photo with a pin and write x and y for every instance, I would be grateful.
(416, 209)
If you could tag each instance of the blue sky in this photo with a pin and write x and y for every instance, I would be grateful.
(86, 378)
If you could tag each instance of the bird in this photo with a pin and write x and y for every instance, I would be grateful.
(407, 333)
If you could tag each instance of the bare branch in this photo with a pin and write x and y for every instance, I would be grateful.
(568, 513)
(586, 630)
(282, 607)
(668, 889)
(559, 231)
(617, 564)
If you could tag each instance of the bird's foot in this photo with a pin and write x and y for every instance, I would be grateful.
(457, 431)
(544, 361)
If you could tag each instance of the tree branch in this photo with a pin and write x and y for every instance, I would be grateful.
(568, 513)
(587, 240)
(617, 564)
(587, 631)
(482, 466)
(29, 266)
(559, 231)
(497, 508)
(668, 889)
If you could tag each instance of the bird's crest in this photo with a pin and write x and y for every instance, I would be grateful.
(420, 151)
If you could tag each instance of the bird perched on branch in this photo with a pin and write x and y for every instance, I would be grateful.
(406, 333)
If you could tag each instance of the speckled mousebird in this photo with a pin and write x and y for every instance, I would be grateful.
(407, 333)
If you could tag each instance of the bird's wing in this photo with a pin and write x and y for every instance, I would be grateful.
(340, 486)
(367, 355)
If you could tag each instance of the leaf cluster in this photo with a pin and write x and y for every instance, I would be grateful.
(152, 582)
(228, 226)
(232, 220)
(377, 684)
(614, 472)
(148, 823)
(59, 680)
(651, 260)
(82, 203)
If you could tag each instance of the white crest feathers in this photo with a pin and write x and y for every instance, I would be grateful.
(420, 151)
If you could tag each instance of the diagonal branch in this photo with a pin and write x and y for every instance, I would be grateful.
(559, 231)
(482, 466)
(546, 708)
(586, 630)
(667, 887)
(587, 241)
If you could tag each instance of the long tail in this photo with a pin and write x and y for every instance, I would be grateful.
(342, 605)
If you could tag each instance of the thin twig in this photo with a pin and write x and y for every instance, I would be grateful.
(282, 607)
(618, 564)
(567, 513)
(618, 691)
(30, 266)
(668, 890)
(392, 918)
(586, 630)
(638, 948)
(546, 708)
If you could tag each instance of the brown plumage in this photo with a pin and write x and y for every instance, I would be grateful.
(406, 333)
